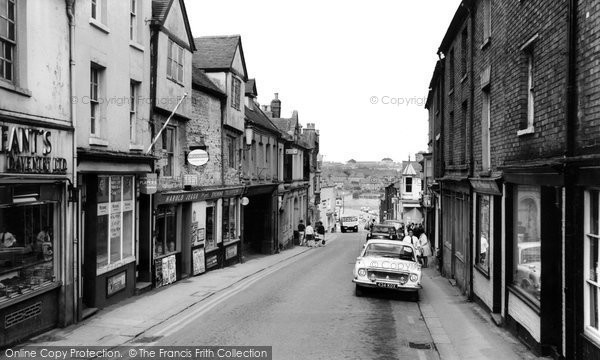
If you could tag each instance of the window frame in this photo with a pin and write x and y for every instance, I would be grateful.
(170, 131)
(590, 235)
(236, 85)
(485, 267)
(487, 20)
(464, 52)
(10, 43)
(133, 108)
(486, 113)
(175, 62)
(133, 20)
(95, 83)
(94, 9)
(230, 142)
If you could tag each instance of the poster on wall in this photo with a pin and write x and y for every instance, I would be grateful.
(230, 252)
(198, 261)
(116, 283)
(158, 273)
(172, 269)
(211, 261)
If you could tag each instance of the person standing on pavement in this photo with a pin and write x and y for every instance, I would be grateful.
(425, 249)
(414, 241)
(310, 235)
(321, 232)
(301, 229)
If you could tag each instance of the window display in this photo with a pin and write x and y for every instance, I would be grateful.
(165, 237)
(229, 219)
(527, 241)
(115, 220)
(211, 241)
(26, 247)
(483, 232)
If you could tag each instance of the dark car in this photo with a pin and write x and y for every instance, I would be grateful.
(382, 231)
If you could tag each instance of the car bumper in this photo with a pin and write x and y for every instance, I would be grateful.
(405, 287)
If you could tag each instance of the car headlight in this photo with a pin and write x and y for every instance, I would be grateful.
(414, 277)
(362, 272)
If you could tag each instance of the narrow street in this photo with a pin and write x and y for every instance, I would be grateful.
(307, 310)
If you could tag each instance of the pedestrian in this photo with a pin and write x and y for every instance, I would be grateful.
(301, 232)
(425, 249)
(321, 233)
(310, 235)
(7, 239)
(411, 239)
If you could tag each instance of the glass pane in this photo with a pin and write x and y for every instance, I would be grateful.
(8, 51)
(3, 7)
(102, 240)
(11, 10)
(115, 189)
(594, 212)
(593, 306)
(593, 259)
(171, 235)
(527, 241)
(484, 230)
(210, 225)
(11, 31)
(8, 69)
(127, 234)
(159, 241)
(3, 28)
(127, 187)
(115, 236)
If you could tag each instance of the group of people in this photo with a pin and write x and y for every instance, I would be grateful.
(311, 236)
(417, 238)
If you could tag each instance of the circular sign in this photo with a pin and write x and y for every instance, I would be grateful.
(245, 201)
(198, 157)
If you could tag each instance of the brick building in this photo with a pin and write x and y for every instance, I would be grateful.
(513, 110)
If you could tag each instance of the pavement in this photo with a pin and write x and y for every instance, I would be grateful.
(459, 329)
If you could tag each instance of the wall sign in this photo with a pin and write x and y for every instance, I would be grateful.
(30, 150)
(116, 283)
(197, 157)
(198, 261)
(148, 183)
(291, 151)
(211, 261)
(230, 252)
(166, 198)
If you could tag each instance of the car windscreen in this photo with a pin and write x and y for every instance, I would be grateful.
(399, 251)
(383, 229)
(349, 219)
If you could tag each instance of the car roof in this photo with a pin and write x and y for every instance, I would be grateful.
(384, 225)
(389, 242)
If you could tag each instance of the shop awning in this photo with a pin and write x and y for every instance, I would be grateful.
(489, 186)
(113, 167)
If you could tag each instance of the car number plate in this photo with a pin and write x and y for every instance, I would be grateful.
(386, 285)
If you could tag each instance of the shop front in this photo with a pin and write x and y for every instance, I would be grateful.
(534, 252)
(35, 166)
(194, 232)
(487, 243)
(111, 214)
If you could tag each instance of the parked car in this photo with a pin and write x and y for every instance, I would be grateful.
(389, 265)
(349, 223)
(382, 231)
(397, 224)
(529, 269)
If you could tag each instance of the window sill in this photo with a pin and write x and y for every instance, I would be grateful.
(100, 26)
(463, 78)
(485, 43)
(136, 147)
(175, 81)
(97, 141)
(450, 92)
(526, 299)
(136, 46)
(485, 273)
(529, 130)
(13, 88)
(36, 292)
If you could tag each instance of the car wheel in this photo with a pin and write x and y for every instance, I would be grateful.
(359, 291)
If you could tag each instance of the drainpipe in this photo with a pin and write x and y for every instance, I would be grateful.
(471, 136)
(74, 228)
(572, 218)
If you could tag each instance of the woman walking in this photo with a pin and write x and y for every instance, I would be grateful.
(310, 235)
(425, 249)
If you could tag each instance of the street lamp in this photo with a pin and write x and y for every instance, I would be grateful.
(249, 135)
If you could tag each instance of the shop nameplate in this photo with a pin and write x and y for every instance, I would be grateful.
(116, 283)
(197, 195)
(148, 183)
(211, 261)
(231, 252)
(29, 150)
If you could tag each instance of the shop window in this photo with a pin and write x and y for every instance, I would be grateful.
(115, 221)
(229, 220)
(26, 245)
(482, 244)
(211, 241)
(591, 269)
(165, 236)
(527, 241)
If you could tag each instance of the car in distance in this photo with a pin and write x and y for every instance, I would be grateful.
(382, 231)
(387, 264)
(349, 223)
(397, 224)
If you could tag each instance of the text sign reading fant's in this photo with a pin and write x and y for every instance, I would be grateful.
(29, 150)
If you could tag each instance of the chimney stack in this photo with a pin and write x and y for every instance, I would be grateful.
(276, 106)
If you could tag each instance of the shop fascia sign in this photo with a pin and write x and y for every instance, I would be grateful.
(28, 150)
(198, 195)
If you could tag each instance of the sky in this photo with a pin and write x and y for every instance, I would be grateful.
(359, 70)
